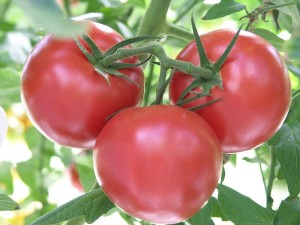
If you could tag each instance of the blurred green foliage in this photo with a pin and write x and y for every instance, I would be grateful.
(23, 23)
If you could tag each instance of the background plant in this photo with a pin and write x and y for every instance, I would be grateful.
(31, 162)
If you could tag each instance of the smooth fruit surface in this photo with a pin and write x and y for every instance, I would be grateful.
(158, 163)
(64, 96)
(256, 93)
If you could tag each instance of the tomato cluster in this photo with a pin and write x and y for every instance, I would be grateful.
(159, 163)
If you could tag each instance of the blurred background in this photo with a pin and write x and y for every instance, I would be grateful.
(40, 175)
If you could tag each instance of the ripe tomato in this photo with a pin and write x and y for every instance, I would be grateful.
(74, 177)
(255, 97)
(158, 163)
(64, 96)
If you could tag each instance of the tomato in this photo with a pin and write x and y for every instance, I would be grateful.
(158, 163)
(255, 97)
(64, 96)
(74, 177)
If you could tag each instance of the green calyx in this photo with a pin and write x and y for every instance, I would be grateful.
(206, 76)
(95, 56)
(206, 84)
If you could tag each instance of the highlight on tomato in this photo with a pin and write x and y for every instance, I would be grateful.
(66, 99)
(256, 93)
(159, 163)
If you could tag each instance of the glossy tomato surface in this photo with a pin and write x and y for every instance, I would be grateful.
(64, 96)
(256, 92)
(158, 163)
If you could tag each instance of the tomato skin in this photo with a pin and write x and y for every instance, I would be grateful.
(158, 163)
(63, 95)
(256, 92)
(74, 177)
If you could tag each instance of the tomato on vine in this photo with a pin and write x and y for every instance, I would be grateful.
(67, 100)
(159, 163)
(255, 97)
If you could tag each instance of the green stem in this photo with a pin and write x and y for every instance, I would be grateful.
(42, 188)
(156, 49)
(261, 171)
(271, 7)
(179, 32)
(295, 93)
(148, 84)
(190, 5)
(67, 8)
(154, 20)
(4, 10)
(271, 178)
(161, 85)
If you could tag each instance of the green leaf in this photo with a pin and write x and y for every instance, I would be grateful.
(139, 3)
(293, 46)
(276, 41)
(287, 146)
(92, 205)
(84, 167)
(49, 16)
(7, 204)
(217, 211)
(288, 16)
(224, 8)
(203, 217)
(288, 212)
(9, 86)
(34, 139)
(241, 210)
(6, 181)
(29, 173)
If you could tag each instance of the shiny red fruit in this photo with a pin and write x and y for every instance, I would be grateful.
(64, 96)
(256, 93)
(158, 163)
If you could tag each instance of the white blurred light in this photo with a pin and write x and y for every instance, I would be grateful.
(211, 2)
(3, 125)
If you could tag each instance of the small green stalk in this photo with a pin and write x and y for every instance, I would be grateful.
(67, 8)
(271, 7)
(4, 10)
(295, 93)
(176, 31)
(155, 22)
(271, 179)
(148, 84)
(155, 48)
(190, 6)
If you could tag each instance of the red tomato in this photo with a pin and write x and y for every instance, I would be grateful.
(256, 92)
(158, 163)
(74, 177)
(64, 96)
